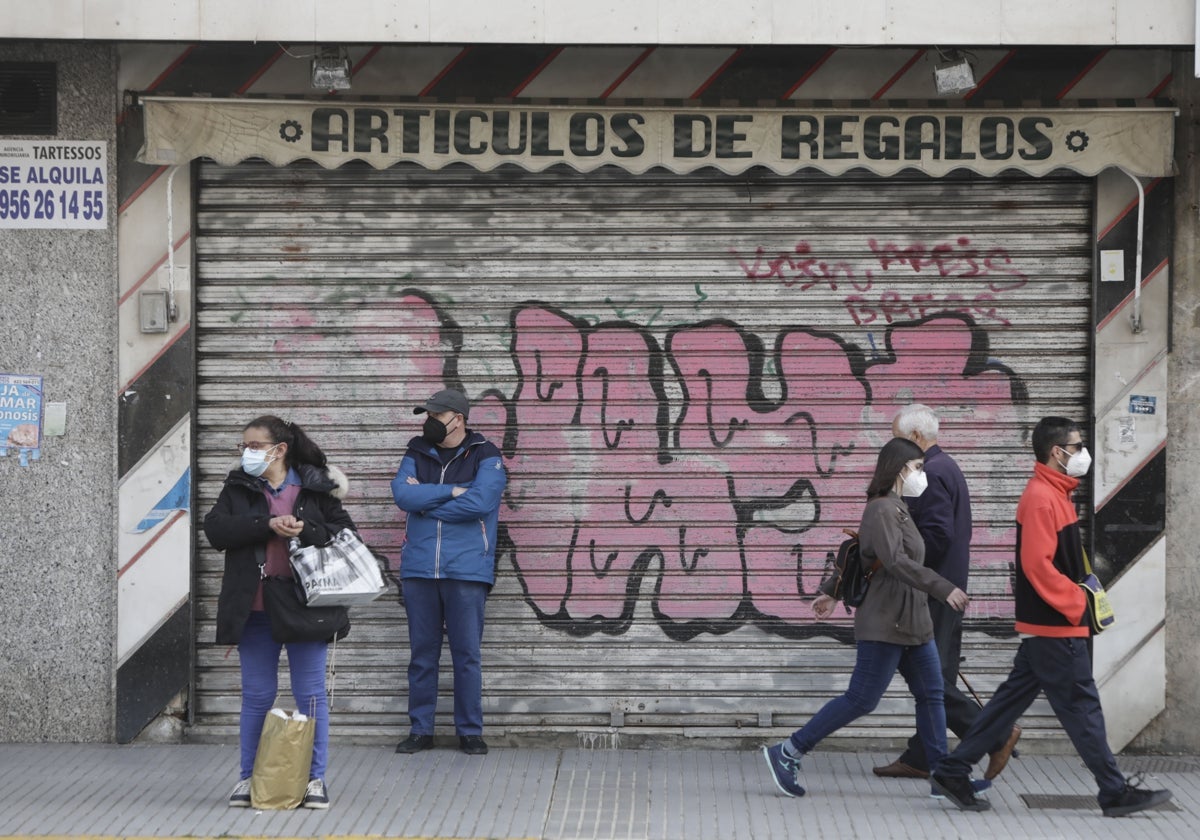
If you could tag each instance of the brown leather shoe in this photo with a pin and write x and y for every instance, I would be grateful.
(899, 770)
(998, 760)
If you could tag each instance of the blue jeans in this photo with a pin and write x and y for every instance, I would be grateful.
(1063, 669)
(877, 664)
(961, 710)
(259, 657)
(455, 606)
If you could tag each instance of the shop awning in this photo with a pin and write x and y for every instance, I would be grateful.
(882, 140)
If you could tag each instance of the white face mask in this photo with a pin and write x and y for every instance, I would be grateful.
(1079, 463)
(255, 461)
(915, 483)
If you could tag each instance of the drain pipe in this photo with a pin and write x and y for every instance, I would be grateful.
(172, 309)
(1135, 318)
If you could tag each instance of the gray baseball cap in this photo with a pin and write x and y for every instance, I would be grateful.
(448, 400)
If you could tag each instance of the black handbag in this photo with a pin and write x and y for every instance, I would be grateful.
(294, 621)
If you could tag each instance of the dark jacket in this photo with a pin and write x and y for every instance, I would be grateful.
(896, 609)
(1047, 600)
(237, 525)
(446, 536)
(943, 516)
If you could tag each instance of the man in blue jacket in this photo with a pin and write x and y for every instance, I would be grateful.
(943, 516)
(449, 483)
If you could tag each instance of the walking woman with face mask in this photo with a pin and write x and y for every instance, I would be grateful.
(892, 628)
(283, 489)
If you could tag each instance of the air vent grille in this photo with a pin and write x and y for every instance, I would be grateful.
(28, 97)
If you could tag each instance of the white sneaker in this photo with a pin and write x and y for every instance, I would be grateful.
(316, 796)
(240, 797)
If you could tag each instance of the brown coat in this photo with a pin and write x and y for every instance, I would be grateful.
(896, 608)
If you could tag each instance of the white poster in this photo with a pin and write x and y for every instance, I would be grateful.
(54, 184)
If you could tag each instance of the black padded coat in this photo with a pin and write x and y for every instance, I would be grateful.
(237, 525)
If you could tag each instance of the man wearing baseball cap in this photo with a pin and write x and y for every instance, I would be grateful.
(449, 484)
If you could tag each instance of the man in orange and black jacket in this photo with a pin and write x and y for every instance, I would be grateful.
(1051, 618)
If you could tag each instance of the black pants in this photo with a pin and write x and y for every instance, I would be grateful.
(1063, 669)
(961, 710)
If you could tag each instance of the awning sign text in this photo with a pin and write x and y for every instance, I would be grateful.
(935, 141)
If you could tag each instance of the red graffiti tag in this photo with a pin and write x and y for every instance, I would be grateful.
(991, 272)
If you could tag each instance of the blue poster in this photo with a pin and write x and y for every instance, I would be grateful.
(21, 416)
(1142, 405)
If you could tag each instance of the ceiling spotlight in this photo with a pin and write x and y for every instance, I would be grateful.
(331, 69)
(952, 73)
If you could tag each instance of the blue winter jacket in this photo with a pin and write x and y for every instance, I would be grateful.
(446, 537)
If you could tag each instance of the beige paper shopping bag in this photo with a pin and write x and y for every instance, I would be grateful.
(283, 760)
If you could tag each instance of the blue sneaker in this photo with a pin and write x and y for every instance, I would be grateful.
(783, 770)
(978, 785)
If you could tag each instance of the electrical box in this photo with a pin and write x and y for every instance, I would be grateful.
(954, 77)
(1112, 266)
(153, 310)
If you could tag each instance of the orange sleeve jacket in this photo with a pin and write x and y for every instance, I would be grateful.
(1048, 601)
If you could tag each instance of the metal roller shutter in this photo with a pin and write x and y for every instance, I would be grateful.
(690, 376)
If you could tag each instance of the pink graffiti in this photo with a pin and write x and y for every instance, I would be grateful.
(719, 507)
(677, 477)
(671, 474)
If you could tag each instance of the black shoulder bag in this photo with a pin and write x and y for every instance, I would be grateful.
(294, 621)
(853, 580)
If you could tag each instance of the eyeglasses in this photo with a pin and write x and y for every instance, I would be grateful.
(1078, 445)
(256, 445)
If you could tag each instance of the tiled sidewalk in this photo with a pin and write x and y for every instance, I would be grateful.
(181, 790)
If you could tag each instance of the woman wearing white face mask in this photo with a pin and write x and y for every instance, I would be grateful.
(283, 489)
(892, 628)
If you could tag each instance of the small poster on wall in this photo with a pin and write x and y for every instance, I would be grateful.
(21, 416)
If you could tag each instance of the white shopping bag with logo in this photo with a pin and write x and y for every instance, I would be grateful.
(343, 573)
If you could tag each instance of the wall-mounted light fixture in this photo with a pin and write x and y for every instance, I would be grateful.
(952, 72)
(331, 69)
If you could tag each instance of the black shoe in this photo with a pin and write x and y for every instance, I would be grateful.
(959, 790)
(472, 745)
(899, 770)
(316, 795)
(414, 744)
(1132, 798)
(240, 798)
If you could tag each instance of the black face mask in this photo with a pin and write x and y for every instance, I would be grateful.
(434, 430)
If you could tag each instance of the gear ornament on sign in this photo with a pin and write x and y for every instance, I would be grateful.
(290, 131)
(1077, 141)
